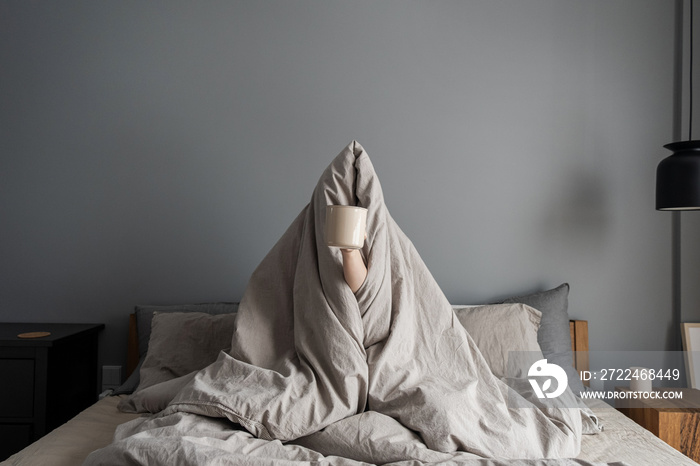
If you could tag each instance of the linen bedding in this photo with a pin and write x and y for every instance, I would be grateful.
(621, 440)
(316, 374)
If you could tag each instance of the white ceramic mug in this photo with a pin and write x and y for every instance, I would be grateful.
(345, 226)
(640, 379)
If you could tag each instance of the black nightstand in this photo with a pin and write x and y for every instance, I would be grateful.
(45, 381)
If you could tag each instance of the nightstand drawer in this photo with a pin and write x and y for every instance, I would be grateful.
(14, 434)
(17, 394)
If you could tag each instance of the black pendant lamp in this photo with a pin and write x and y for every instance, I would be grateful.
(678, 175)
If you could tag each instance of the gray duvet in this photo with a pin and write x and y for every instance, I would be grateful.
(317, 374)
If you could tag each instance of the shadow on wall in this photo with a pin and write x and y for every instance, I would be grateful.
(579, 214)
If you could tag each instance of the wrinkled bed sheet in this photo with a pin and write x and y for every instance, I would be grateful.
(317, 374)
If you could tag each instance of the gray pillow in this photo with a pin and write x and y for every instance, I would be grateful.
(144, 315)
(554, 335)
(506, 335)
(184, 342)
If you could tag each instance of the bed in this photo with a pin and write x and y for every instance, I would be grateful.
(306, 371)
(621, 440)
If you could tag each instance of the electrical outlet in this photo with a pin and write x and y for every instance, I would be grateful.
(111, 377)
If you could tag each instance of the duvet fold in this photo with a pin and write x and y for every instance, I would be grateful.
(317, 367)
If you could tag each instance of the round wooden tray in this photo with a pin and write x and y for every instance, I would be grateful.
(34, 334)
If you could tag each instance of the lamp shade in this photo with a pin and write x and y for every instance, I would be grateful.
(678, 177)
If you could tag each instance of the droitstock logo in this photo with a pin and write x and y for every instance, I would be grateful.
(543, 370)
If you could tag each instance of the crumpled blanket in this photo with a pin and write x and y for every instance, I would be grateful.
(317, 373)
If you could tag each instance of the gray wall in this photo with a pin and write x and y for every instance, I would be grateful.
(153, 152)
(690, 221)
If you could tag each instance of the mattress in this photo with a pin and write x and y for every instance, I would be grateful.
(621, 440)
(69, 444)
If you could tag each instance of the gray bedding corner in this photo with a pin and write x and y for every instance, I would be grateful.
(386, 375)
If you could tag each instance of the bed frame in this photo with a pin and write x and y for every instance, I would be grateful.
(578, 329)
(579, 345)
(132, 348)
(622, 440)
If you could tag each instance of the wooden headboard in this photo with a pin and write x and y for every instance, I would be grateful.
(132, 347)
(578, 329)
(579, 345)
